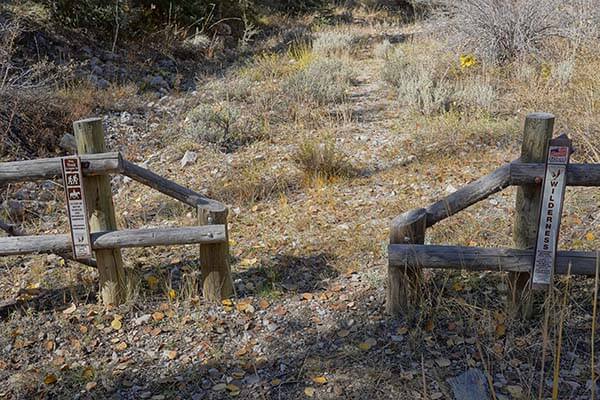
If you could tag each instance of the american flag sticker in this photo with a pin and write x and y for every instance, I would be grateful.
(558, 154)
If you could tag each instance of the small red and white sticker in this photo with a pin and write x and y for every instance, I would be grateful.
(76, 207)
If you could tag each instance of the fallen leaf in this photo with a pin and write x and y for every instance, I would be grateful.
(87, 373)
(402, 330)
(309, 391)
(429, 326)
(515, 391)
(116, 324)
(500, 330)
(321, 380)
(50, 379)
(152, 281)
(307, 296)
(171, 354)
(227, 302)
(276, 382)
(443, 362)
(158, 316)
(233, 389)
(590, 236)
(263, 304)
(364, 346)
(71, 309)
(121, 346)
(246, 262)
(155, 332)
(219, 387)
(90, 386)
(50, 345)
(172, 294)
(343, 333)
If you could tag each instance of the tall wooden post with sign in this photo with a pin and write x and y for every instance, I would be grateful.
(89, 135)
(536, 134)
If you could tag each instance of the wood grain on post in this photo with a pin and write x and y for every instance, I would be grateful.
(536, 134)
(89, 135)
(217, 283)
(404, 281)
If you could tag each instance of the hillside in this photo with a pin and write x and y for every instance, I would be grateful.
(316, 129)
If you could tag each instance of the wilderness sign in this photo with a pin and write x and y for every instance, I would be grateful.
(76, 208)
(555, 181)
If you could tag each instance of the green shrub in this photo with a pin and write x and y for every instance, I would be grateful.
(324, 81)
(332, 42)
(418, 81)
(223, 124)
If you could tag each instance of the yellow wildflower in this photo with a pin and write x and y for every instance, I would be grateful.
(467, 61)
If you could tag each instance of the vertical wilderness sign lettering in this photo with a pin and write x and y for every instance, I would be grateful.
(554, 185)
(76, 208)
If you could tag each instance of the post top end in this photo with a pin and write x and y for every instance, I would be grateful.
(88, 120)
(540, 115)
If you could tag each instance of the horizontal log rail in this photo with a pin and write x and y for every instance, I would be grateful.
(11, 246)
(485, 259)
(577, 174)
(468, 195)
(50, 168)
(170, 188)
(103, 164)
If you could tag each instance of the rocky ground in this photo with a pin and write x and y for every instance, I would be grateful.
(309, 264)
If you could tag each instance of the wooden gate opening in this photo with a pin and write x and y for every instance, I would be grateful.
(408, 254)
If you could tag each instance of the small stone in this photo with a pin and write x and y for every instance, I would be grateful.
(142, 320)
(515, 391)
(67, 142)
(189, 157)
(443, 362)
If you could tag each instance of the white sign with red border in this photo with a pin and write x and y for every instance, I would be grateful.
(76, 207)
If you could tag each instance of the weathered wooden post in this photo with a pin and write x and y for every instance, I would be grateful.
(536, 134)
(217, 283)
(89, 135)
(404, 283)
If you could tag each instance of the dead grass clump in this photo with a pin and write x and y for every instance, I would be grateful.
(324, 81)
(456, 133)
(257, 181)
(223, 124)
(31, 123)
(321, 160)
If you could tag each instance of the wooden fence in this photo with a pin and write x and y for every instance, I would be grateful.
(408, 254)
(211, 232)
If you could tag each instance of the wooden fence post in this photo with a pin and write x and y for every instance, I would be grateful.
(89, 135)
(536, 134)
(217, 283)
(404, 283)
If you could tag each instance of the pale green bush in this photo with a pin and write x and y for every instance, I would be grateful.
(223, 124)
(332, 42)
(325, 80)
(478, 94)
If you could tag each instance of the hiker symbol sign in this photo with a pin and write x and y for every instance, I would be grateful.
(76, 207)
